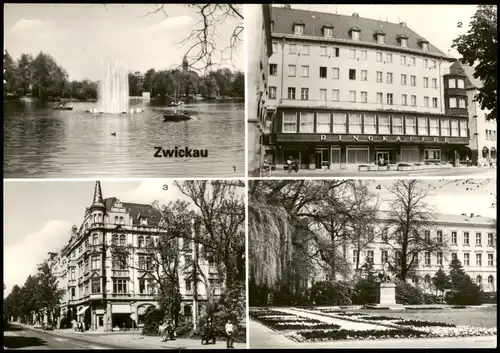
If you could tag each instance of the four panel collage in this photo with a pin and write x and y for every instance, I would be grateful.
(249, 176)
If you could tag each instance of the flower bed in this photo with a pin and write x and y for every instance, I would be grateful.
(334, 335)
(416, 323)
(256, 313)
(292, 322)
(379, 318)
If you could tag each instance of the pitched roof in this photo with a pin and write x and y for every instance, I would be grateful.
(470, 81)
(314, 21)
(136, 211)
(465, 219)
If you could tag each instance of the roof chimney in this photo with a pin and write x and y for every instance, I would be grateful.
(403, 24)
(355, 14)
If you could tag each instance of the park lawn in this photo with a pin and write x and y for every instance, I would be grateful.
(475, 317)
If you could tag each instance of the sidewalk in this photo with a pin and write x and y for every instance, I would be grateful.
(134, 340)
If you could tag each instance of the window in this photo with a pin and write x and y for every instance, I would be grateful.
(354, 256)
(410, 125)
(72, 276)
(434, 127)
(413, 101)
(298, 29)
(454, 255)
(305, 49)
(119, 286)
(123, 239)
(364, 97)
(95, 239)
(426, 82)
(272, 92)
(479, 260)
(380, 97)
(454, 238)
(463, 128)
(339, 123)
(119, 262)
(369, 256)
(273, 69)
(354, 35)
(352, 74)
(364, 55)
(328, 32)
(478, 238)
(304, 94)
(379, 76)
(426, 101)
(322, 94)
(305, 71)
(379, 57)
(291, 92)
(439, 258)
(364, 75)
(292, 49)
(460, 83)
(352, 96)
(403, 79)
(466, 238)
(292, 70)
(335, 95)
(490, 259)
(289, 122)
(453, 102)
(96, 285)
(388, 58)
(413, 61)
(140, 241)
(426, 63)
(466, 259)
(427, 236)
(479, 280)
(384, 256)
(397, 125)
(432, 154)
(380, 38)
(461, 103)
(95, 263)
(404, 99)
(434, 83)
(275, 47)
(336, 72)
(370, 124)
(384, 125)
(352, 53)
(404, 42)
(323, 122)
(390, 98)
(427, 256)
(403, 59)
(451, 83)
(427, 279)
(322, 72)
(306, 122)
(336, 52)
(445, 127)
(389, 77)
(323, 51)
(490, 239)
(439, 236)
(434, 102)
(354, 123)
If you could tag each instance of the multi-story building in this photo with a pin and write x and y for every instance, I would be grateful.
(110, 289)
(471, 238)
(483, 133)
(346, 91)
(257, 20)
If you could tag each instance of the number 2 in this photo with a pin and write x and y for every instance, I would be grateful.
(459, 24)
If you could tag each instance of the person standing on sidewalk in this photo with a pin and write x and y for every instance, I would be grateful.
(229, 334)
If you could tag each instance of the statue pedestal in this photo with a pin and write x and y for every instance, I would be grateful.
(386, 297)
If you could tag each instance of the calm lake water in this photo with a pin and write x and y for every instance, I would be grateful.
(40, 142)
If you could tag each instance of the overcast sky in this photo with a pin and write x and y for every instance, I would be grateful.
(436, 23)
(38, 216)
(79, 36)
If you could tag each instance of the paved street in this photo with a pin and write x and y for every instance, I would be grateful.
(454, 172)
(28, 338)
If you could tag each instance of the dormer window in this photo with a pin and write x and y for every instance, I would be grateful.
(380, 38)
(298, 28)
(355, 31)
(403, 40)
(328, 31)
(143, 221)
(424, 44)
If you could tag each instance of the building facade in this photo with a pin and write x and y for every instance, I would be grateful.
(346, 91)
(483, 133)
(108, 288)
(471, 238)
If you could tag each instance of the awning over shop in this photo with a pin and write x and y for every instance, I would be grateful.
(121, 309)
(82, 310)
(142, 309)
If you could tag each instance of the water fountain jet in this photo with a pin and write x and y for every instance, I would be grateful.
(113, 89)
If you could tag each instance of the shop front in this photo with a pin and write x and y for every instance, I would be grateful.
(349, 151)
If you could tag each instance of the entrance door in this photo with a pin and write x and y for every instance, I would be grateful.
(319, 159)
(382, 158)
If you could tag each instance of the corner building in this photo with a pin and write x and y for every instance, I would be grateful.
(107, 293)
(346, 91)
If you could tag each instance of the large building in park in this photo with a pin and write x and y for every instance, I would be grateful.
(346, 91)
(108, 270)
(469, 237)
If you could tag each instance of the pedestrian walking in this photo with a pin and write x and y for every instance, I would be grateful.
(229, 334)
